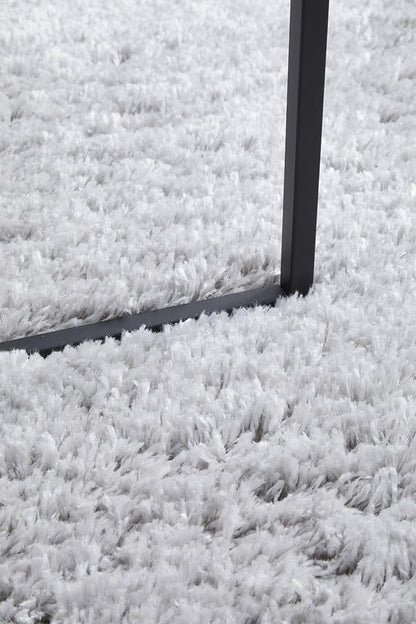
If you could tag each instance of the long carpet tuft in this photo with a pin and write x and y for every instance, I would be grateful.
(252, 469)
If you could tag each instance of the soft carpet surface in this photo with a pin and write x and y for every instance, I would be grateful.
(252, 469)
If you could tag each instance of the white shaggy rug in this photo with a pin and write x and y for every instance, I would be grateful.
(252, 469)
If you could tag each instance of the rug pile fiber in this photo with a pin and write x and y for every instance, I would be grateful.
(252, 469)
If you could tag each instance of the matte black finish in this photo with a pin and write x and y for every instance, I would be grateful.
(305, 94)
(154, 320)
(305, 97)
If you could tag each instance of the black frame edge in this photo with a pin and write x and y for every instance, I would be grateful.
(154, 320)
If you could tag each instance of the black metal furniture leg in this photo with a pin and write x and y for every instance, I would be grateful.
(153, 319)
(306, 77)
(305, 97)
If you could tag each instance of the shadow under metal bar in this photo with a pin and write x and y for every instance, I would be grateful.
(305, 94)
(154, 320)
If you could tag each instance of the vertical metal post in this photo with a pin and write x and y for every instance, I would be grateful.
(305, 97)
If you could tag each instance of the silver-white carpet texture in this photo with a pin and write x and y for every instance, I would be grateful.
(252, 469)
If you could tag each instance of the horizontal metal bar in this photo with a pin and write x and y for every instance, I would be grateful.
(154, 319)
